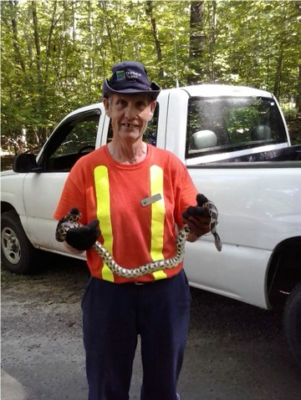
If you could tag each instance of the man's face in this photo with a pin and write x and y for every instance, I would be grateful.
(129, 115)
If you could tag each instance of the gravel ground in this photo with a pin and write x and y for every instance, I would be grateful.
(234, 351)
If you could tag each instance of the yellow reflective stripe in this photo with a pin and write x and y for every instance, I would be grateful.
(158, 216)
(102, 188)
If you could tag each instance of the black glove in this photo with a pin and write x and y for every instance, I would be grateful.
(197, 211)
(84, 237)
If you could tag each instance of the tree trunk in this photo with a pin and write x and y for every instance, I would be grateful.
(149, 11)
(277, 83)
(18, 56)
(41, 103)
(49, 41)
(212, 41)
(298, 98)
(74, 24)
(103, 6)
(90, 77)
(36, 38)
(196, 41)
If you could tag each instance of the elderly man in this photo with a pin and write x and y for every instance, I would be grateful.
(135, 194)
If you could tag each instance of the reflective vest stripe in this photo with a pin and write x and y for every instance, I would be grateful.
(158, 216)
(102, 189)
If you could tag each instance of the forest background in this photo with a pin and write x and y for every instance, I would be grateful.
(55, 54)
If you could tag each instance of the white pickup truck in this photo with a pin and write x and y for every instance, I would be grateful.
(235, 144)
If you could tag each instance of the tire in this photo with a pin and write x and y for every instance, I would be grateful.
(292, 321)
(18, 254)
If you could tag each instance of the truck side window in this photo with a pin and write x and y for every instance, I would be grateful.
(72, 139)
(150, 135)
(232, 123)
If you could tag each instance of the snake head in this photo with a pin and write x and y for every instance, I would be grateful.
(73, 215)
(212, 210)
(65, 223)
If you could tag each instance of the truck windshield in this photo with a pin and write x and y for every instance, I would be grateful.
(231, 124)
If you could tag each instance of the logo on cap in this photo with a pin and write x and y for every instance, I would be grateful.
(120, 75)
(132, 75)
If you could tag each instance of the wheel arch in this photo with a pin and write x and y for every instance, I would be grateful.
(284, 271)
(5, 206)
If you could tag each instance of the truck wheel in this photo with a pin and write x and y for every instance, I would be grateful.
(18, 254)
(292, 321)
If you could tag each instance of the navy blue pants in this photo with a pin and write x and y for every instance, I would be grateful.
(113, 317)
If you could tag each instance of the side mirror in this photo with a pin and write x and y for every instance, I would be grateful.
(25, 163)
(204, 139)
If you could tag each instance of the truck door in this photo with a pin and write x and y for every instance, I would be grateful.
(77, 135)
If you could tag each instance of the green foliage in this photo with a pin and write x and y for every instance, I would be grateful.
(55, 54)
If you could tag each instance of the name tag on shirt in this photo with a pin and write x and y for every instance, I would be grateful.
(150, 200)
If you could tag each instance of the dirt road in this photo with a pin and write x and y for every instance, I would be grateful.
(234, 352)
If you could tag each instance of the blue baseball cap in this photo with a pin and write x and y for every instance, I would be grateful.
(130, 77)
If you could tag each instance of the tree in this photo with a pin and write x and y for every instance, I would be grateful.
(55, 54)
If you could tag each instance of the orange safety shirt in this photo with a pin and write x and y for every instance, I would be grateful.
(139, 207)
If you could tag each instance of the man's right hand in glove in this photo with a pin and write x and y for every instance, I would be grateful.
(84, 237)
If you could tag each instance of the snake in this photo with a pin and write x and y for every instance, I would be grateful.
(71, 221)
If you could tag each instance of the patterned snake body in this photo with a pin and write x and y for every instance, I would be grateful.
(71, 221)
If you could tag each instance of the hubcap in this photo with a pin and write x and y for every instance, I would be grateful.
(11, 245)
